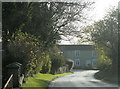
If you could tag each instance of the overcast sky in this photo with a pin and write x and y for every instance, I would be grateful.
(100, 9)
(102, 6)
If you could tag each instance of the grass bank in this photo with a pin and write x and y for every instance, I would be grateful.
(40, 81)
(107, 77)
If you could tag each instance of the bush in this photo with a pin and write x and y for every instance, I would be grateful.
(28, 50)
(56, 61)
(104, 63)
(47, 65)
(31, 53)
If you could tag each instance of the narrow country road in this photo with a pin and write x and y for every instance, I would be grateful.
(81, 78)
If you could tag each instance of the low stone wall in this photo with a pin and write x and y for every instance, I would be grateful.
(63, 69)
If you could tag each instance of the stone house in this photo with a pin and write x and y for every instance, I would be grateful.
(83, 55)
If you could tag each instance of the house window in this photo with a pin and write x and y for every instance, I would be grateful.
(88, 63)
(77, 53)
(77, 62)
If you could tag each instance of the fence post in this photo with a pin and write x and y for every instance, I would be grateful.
(15, 69)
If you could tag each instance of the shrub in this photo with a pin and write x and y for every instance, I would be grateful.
(56, 61)
(28, 50)
(47, 65)
(104, 63)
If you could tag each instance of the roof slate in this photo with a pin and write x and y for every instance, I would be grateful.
(77, 47)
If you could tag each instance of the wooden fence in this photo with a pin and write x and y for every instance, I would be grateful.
(9, 83)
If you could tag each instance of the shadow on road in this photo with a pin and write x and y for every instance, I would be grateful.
(83, 88)
(81, 79)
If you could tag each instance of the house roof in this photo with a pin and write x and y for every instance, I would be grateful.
(76, 47)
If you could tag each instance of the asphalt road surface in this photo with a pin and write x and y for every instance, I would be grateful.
(81, 78)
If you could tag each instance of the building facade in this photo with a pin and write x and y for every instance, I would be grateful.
(82, 55)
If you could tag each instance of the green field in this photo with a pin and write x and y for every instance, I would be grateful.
(40, 81)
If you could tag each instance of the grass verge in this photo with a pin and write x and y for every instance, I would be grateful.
(40, 81)
(107, 77)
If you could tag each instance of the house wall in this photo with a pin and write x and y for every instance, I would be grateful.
(82, 57)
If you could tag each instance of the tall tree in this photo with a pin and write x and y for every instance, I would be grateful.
(14, 16)
(104, 34)
(48, 20)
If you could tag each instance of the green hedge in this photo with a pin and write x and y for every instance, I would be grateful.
(28, 50)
